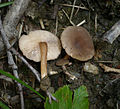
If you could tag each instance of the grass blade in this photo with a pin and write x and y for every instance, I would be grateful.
(3, 106)
(5, 4)
(23, 83)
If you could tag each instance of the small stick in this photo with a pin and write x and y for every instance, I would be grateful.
(19, 34)
(96, 17)
(81, 4)
(72, 9)
(56, 8)
(13, 16)
(15, 72)
(11, 62)
(20, 30)
(109, 69)
(68, 17)
(74, 6)
(17, 54)
(36, 73)
(51, 97)
(41, 23)
(79, 24)
(110, 83)
(72, 77)
(56, 27)
(51, 1)
(71, 21)
(106, 61)
(117, 105)
(113, 33)
(77, 10)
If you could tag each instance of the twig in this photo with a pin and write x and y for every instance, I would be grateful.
(81, 4)
(13, 16)
(74, 6)
(11, 20)
(106, 61)
(56, 8)
(8, 46)
(68, 17)
(113, 33)
(41, 23)
(117, 105)
(96, 17)
(79, 24)
(51, 97)
(72, 77)
(109, 69)
(36, 73)
(51, 1)
(56, 26)
(15, 72)
(109, 84)
(71, 20)
(11, 62)
(72, 9)
(19, 35)
(20, 30)
(22, 58)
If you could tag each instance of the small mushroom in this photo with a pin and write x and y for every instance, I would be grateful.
(77, 43)
(40, 45)
(63, 62)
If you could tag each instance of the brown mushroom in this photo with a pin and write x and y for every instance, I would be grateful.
(63, 62)
(77, 43)
(40, 45)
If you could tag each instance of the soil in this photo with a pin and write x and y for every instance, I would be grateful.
(103, 88)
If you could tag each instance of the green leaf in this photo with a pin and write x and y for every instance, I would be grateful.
(23, 83)
(3, 106)
(80, 100)
(5, 4)
(64, 97)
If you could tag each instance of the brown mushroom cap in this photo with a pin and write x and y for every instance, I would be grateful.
(77, 43)
(29, 45)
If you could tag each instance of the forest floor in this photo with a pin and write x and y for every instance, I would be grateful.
(99, 17)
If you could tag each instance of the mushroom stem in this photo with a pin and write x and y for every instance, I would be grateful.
(43, 50)
(66, 57)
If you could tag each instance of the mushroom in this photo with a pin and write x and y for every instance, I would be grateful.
(40, 45)
(62, 63)
(77, 43)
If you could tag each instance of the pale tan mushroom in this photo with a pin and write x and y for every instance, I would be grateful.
(77, 43)
(40, 45)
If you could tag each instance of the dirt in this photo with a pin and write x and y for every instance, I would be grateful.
(103, 88)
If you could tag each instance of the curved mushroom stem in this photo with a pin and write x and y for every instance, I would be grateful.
(45, 81)
(43, 50)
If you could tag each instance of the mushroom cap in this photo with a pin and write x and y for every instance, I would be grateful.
(62, 62)
(29, 45)
(77, 43)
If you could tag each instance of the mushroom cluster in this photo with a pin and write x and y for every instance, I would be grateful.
(41, 45)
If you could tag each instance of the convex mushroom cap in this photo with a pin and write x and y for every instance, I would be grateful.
(29, 45)
(77, 43)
